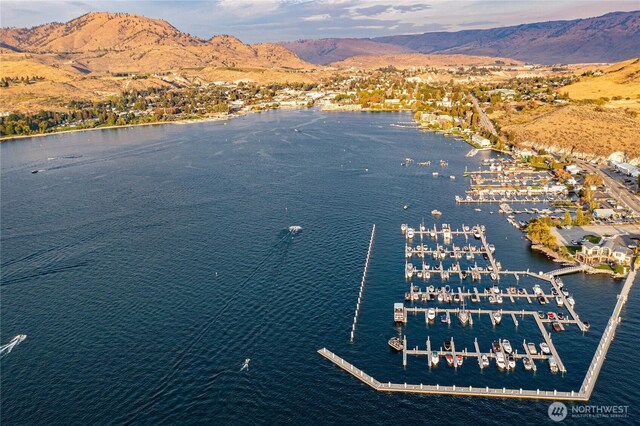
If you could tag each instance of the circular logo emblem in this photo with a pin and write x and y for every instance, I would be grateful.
(557, 411)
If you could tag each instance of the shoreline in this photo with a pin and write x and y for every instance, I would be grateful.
(124, 126)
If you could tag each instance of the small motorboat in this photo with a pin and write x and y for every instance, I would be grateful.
(495, 346)
(498, 299)
(443, 319)
(447, 345)
(570, 301)
(512, 361)
(553, 365)
(435, 358)
(551, 315)
(492, 299)
(497, 317)
(484, 360)
(500, 362)
(532, 349)
(436, 213)
(542, 300)
(449, 359)
(560, 316)
(540, 314)
(544, 348)
(396, 344)
(528, 364)
(559, 301)
(506, 345)
(586, 325)
(459, 360)
(556, 327)
(405, 207)
(431, 314)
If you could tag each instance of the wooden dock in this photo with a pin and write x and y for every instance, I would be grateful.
(450, 390)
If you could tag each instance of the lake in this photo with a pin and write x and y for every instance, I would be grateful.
(146, 264)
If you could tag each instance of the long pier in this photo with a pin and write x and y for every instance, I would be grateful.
(607, 337)
(364, 278)
(450, 390)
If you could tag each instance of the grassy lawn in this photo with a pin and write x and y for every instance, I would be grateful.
(604, 267)
(593, 239)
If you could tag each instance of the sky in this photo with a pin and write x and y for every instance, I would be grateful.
(256, 21)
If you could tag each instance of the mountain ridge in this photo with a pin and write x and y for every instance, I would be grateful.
(612, 37)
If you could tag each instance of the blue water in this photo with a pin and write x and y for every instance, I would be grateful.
(145, 265)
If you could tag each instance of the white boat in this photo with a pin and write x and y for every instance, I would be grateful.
(476, 233)
(498, 299)
(544, 348)
(440, 297)
(426, 275)
(435, 173)
(559, 301)
(492, 248)
(495, 289)
(553, 365)
(512, 362)
(431, 314)
(408, 252)
(528, 364)
(431, 289)
(436, 213)
(500, 361)
(463, 316)
(459, 360)
(295, 229)
(492, 299)
(398, 312)
(469, 255)
(403, 228)
(410, 233)
(484, 360)
(494, 276)
(409, 270)
(570, 301)
(396, 344)
(419, 274)
(477, 210)
(452, 177)
(532, 349)
(497, 317)
(506, 345)
(435, 358)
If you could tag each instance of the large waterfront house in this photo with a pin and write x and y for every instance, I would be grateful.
(610, 250)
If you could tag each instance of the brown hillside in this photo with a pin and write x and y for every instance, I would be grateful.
(420, 60)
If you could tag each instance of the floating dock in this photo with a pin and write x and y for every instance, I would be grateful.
(364, 277)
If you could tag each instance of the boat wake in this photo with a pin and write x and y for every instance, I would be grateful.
(245, 365)
(6, 349)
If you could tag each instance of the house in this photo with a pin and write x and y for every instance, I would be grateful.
(610, 250)
(573, 169)
(481, 141)
(525, 153)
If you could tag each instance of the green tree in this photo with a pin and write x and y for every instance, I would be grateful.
(567, 218)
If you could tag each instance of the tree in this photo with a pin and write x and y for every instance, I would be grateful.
(567, 218)
(580, 220)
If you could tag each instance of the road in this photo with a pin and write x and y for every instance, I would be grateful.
(615, 188)
(485, 122)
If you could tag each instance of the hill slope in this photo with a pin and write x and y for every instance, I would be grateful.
(409, 60)
(609, 38)
(108, 42)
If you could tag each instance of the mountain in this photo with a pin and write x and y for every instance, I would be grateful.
(609, 38)
(328, 50)
(116, 42)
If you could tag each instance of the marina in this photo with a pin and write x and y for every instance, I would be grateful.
(502, 353)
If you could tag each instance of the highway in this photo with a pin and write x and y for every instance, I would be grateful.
(617, 190)
(485, 122)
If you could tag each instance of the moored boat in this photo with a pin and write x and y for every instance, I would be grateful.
(528, 364)
(532, 348)
(449, 359)
(435, 358)
(506, 345)
(396, 344)
(431, 314)
(544, 348)
(497, 317)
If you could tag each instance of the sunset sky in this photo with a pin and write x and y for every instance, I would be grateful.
(277, 20)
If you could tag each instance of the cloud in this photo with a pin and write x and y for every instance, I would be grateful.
(317, 18)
